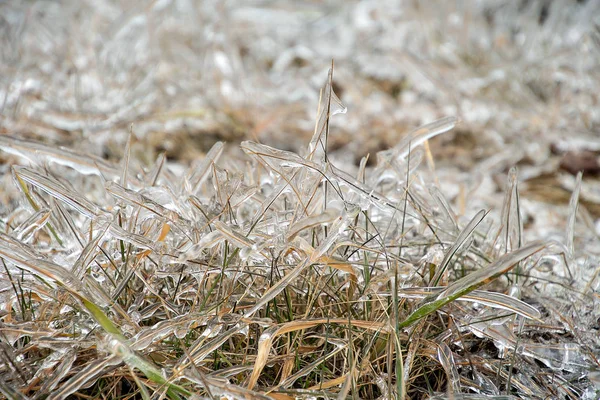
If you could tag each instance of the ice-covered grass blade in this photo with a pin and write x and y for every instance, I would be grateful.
(573, 203)
(471, 282)
(463, 237)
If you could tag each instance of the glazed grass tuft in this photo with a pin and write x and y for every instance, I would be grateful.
(278, 276)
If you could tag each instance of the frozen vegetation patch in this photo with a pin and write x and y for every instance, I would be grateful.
(283, 276)
(142, 257)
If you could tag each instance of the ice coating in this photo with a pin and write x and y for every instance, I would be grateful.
(276, 241)
(31, 225)
(330, 105)
(277, 270)
(39, 152)
(59, 191)
(198, 173)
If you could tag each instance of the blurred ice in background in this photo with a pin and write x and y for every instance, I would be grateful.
(523, 77)
(510, 69)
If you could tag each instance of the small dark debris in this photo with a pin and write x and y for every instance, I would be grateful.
(586, 161)
(544, 11)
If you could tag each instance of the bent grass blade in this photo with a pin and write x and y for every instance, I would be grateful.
(417, 137)
(23, 186)
(88, 374)
(471, 282)
(32, 224)
(58, 191)
(85, 164)
(490, 299)
(200, 350)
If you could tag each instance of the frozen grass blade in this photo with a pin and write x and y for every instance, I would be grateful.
(58, 191)
(139, 200)
(202, 348)
(23, 186)
(464, 236)
(156, 170)
(37, 152)
(446, 359)
(471, 282)
(88, 374)
(89, 252)
(336, 230)
(330, 105)
(325, 217)
(492, 271)
(126, 159)
(416, 138)
(275, 159)
(490, 299)
(31, 225)
(198, 174)
(122, 351)
(59, 373)
(512, 227)
(11, 393)
(235, 237)
(448, 214)
(269, 201)
(573, 203)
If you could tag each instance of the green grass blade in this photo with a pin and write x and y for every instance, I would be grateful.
(471, 282)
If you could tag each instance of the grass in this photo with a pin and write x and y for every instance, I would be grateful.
(280, 276)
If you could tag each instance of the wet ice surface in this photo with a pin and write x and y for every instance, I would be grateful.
(497, 86)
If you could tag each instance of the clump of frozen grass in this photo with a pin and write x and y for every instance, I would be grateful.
(280, 277)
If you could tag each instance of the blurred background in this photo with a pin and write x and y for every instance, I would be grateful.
(522, 76)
